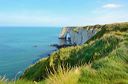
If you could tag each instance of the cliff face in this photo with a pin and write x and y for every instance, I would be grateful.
(79, 35)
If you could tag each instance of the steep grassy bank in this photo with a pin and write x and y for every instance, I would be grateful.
(101, 60)
(97, 51)
(108, 62)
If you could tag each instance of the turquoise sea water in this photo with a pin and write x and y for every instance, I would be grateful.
(22, 46)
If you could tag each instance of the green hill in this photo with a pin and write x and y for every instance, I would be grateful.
(101, 60)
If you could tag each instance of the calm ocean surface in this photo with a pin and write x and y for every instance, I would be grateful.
(23, 46)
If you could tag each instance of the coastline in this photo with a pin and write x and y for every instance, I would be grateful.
(85, 32)
(47, 54)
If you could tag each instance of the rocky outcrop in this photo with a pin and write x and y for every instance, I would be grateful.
(79, 35)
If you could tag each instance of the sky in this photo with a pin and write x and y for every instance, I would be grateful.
(62, 12)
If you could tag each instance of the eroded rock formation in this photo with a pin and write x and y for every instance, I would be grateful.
(79, 35)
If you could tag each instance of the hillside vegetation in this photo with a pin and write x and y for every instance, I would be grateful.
(101, 60)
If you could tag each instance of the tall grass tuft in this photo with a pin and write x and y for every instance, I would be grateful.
(64, 76)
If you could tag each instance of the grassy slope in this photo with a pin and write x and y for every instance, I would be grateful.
(109, 59)
(103, 59)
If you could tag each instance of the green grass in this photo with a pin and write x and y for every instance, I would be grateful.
(112, 69)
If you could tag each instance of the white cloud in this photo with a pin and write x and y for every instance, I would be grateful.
(111, 5)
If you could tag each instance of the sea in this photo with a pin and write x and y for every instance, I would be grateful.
(21, 47)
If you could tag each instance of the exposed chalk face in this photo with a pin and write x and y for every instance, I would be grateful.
(79, 35)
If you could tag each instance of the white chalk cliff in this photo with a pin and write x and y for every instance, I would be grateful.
(79, 35)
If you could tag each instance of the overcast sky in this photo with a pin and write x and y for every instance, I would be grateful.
(62, 12)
